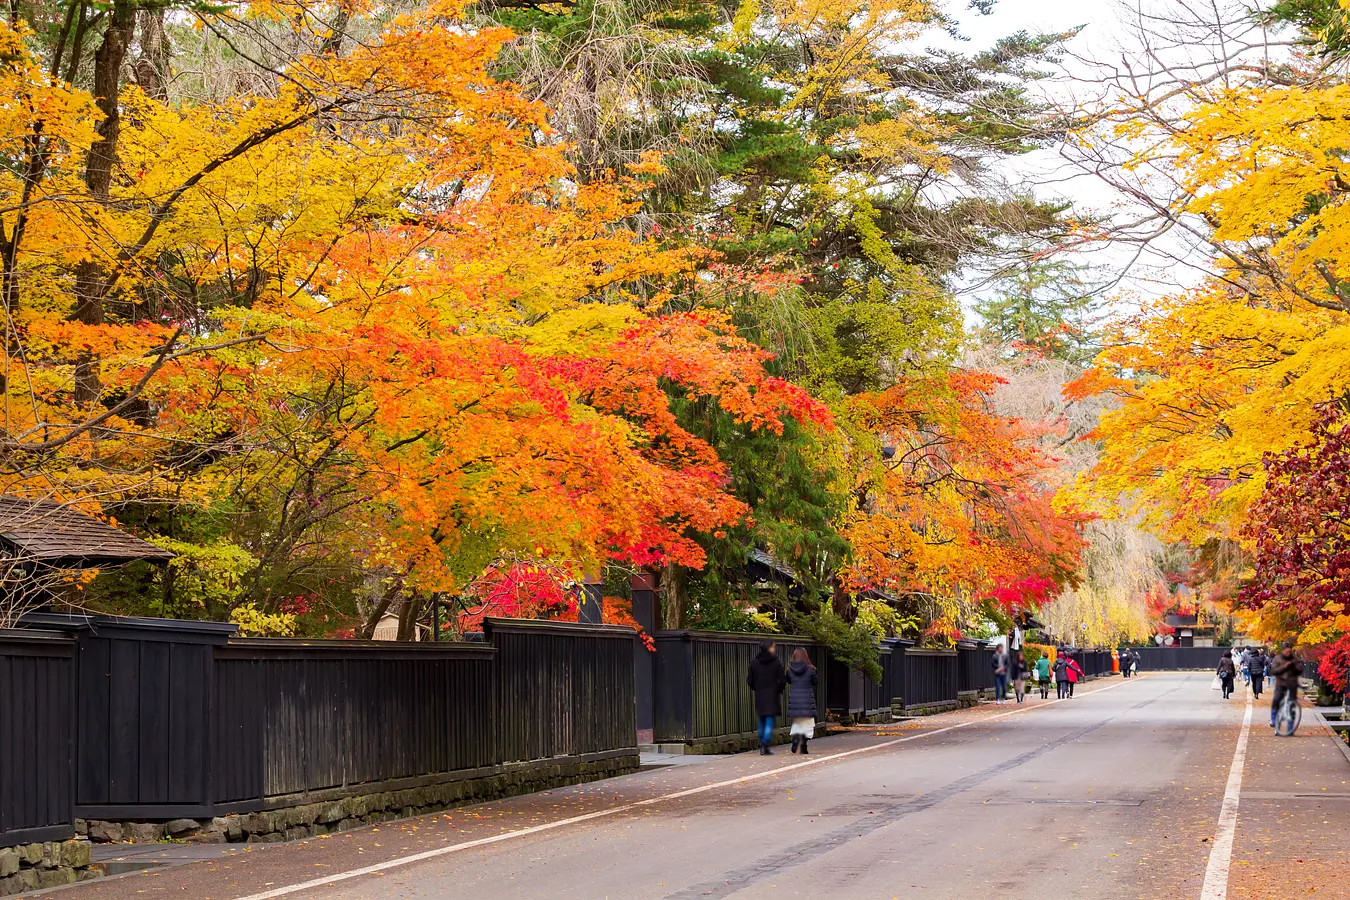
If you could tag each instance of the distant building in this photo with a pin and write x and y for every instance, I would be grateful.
(1191, 631)
(387, 628)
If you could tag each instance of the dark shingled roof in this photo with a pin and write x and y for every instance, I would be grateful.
(66, 538)
(769, 561)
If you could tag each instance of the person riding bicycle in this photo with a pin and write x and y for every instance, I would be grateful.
(1285, 669)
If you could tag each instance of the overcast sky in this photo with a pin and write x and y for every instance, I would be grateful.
(1044, 171)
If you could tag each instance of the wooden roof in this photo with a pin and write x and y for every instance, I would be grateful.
(66, 538)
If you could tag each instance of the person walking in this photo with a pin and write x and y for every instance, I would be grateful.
(1256, 670)
(1062, 672)
(1000, 673)
(1043, 675)
(1227, 671)
(1075, 674)
(766, 679)
(1242, 667)
(1285, 669)
(1019, 676)
(802, 678)
(1124, 656)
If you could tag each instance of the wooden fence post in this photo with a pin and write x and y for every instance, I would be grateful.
(591, 610)
(643, 586)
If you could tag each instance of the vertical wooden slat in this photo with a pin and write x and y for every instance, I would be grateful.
(186, 736)
(153, 723)
(124, 694)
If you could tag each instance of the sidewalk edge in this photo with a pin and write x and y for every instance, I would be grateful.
(1335, 738)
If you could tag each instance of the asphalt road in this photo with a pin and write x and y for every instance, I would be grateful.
(1117, 793)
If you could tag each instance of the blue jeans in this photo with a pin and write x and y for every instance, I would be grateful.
(1000, 686)
(765, 730)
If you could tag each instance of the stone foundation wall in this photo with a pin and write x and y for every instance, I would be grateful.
(900, 711)
(29, 867)
(293, 818)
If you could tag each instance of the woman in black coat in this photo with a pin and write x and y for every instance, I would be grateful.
(801, 675)
(766, 679)
(1227, 671)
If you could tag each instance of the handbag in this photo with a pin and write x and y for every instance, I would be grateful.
(1217, 685)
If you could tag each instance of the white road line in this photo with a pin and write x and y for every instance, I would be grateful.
(1221, 850)
(637, 804)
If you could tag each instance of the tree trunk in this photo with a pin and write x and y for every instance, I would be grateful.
(589, 122)
(10, 245)
(108, 60)
(82, 25)
(90, 279)
(843, 604)
(381, 605)
(672, 597)
(342, 17)
(408, 616)
(152, 69)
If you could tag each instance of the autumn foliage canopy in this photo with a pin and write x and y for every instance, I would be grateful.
(340, 311)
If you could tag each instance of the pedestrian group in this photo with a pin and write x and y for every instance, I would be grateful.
(1282, 667)
(767, 679)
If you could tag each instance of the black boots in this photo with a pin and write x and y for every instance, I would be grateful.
(803, 750)
(796, 741)
(764, 750)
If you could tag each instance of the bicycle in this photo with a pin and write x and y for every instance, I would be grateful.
(1289, 715)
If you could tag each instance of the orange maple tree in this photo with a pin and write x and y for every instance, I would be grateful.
(962, 509)
(372, 291)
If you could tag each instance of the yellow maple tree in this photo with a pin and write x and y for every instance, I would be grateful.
(1212, 379)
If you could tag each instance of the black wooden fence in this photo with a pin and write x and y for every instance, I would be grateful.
(975, 666)
(700, 694)
(1094, 662)
(151, 719)
(37, 714)
(925, 678)
(294, 717)
(173, 719)
(1164, 659)
(918, 678)
(562, 690)
(854, 695)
